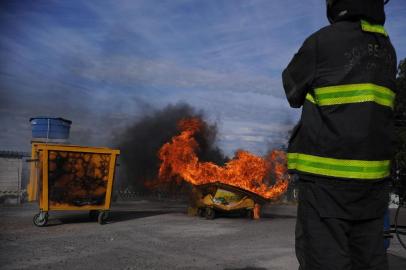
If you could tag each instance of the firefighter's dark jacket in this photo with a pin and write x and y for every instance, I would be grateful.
(344, 77)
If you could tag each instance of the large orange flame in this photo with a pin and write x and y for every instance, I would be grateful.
(245, 170)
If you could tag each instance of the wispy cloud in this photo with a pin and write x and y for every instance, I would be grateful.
(104, 63)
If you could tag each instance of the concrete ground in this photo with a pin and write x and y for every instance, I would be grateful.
(153, 235)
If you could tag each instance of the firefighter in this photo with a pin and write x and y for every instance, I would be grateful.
(343, 77)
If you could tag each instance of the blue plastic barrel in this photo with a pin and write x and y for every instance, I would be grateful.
(50, 127)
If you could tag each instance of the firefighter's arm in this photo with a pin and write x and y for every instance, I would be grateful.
(299, 74)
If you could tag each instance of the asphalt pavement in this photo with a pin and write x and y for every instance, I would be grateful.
(153, 235)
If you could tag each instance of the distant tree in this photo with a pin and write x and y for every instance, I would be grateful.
(400, 117)
(400, 102)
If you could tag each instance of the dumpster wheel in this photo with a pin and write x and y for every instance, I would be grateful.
(200, 212)
(40, 219)
(250, 213)
(103, 215)
(210, 213)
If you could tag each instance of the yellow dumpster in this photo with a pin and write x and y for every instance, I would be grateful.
(209, 199)
(71, 177)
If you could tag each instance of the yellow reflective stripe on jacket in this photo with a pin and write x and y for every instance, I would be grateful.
(310, 98)
(374, 28)
(352, 93)
(342, 168)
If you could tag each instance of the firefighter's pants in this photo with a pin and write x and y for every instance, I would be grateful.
(337, 244)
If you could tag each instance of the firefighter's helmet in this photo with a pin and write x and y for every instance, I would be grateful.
(344, 10)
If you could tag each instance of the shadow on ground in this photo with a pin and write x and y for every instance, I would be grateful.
(246, 268)
(125, 215)
(114, 216)
(275, 216)
(396, 263)
(118, 216)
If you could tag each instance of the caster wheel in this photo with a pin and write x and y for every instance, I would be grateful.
(102, 218)
(40, 219)
(250, 214)
(200, 212)
(210, 213)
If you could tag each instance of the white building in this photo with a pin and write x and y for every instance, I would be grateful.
(11, 171)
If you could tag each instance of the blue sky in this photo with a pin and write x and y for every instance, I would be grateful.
(104, 64)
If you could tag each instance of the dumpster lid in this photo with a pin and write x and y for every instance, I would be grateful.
(55, 118)
(257, 198)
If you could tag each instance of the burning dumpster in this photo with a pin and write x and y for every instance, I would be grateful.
(242, 184)
(69, 177)
(215, 198)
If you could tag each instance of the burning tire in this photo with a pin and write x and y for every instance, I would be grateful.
(210, 213)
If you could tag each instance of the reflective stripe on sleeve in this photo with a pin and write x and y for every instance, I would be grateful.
(310, 98)
(352, 93)
(342, 168)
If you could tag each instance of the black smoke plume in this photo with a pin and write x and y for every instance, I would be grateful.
(141, 141)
